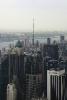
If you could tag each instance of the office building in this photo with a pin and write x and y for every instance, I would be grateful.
(51, 51)
(55, 84)
(16, 67)
(48, 41)
(33, 86)
(33, 76)
(62, 38)
(4, 76)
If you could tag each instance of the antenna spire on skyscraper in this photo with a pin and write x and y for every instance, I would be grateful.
(33, 32)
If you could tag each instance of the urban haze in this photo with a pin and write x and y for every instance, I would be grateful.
(33, 49)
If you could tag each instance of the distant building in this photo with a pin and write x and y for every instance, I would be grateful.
(48, 41)
(16, 61)
(52, 64)
(37, 44)
(27, 42)
(51, 51)
(63, 50)
(55, 84)
(54, 42)
(61, 38)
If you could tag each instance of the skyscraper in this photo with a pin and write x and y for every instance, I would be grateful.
(48, 41)
(16, 68)
(55, 84)
(33, 76)
(51, 51)
(3, 77)
(62, 38)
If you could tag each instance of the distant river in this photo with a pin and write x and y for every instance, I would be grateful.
(7, 44)
(41, 40)
(44, 39)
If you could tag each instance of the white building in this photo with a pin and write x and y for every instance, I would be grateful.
(55, 84)
(11, 92)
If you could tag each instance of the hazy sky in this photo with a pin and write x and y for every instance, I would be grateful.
(17, 15)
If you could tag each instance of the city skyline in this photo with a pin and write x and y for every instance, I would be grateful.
(49, 15)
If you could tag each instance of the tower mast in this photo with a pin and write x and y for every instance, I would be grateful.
(33, 33)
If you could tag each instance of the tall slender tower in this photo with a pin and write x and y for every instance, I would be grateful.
(33, 33)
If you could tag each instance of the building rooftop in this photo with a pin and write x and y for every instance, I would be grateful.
(18, 44)
(56, 71)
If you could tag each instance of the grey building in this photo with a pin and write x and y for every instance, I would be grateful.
(33, 76)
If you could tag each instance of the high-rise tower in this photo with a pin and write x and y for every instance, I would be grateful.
(55, 84)
(33, 76)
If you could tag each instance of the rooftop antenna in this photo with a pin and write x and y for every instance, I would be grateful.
(9, 66)
(33, 33)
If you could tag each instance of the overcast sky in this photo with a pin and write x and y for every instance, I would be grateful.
(17, 15)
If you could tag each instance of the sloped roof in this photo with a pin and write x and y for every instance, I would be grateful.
(18, 44)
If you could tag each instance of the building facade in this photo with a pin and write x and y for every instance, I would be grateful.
(11, 92)
(55, 84)
(33, 76)
(51, 50)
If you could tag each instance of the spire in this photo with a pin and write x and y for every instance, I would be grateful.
(33, 33)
